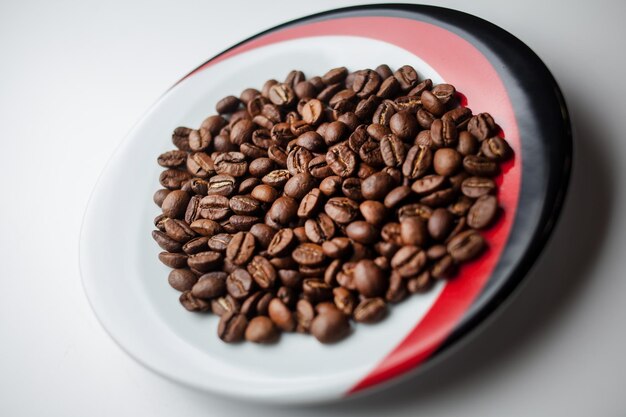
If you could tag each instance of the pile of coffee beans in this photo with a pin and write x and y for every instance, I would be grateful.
(315, 201)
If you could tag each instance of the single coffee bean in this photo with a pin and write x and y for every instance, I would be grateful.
(342, 161)
(466, 246)
(308, 254)
(264, 193)
(281, 95)
(214, 207)
(369, 279)
(299, 185)
(262, 272)
(331, 185)
(239, 284)
(341, 210)
(197, 245)
(424, 118)
(312, 141)
(383, 114)
(159, 196)
(418, 161)
(283, 210)
(432, 103)
(351, 188)
(362, 232)
(227, 105)
(178, 230)
(304, 315)
(205, 261)
(280, 314)
(444, 268)
(260, 167)
(180, 138)
(205, 227)
(370, 310)
(261, 330)
(482, 126)
(480, 166)
(406, 76)
(166, 242)
(475, 187)
(397, 290)
(440, 224)
(429, 184)
(496, 148)
(330, 326)
(320, 229)
(182, 279)
(447, 161)
(413, 231)
(482, 212)
(241, 204)
(377, 132)
(310, 203)
(392, 150)
(389, 88)
(221, 185)
(232, 327)
(217, 243)
(436, 252)
(409, 261)
(173, 179)
(263, 234)
(192, 303)
(335, 75)
(172, 159)
(365, 171)
(414, 210)
(337, 247)
(404, 125)
(366, 82)
(242, 131)
(298, 160)
(210, 285)
(444, 92)
(376, 186)
(373, 212)
(439, 198)
(241, 248)
(443, 133)
(175, 204)
(416, 91)
(173, 260)
(410, 104)
(396, 196)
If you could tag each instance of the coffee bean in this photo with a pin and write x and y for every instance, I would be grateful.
(241, 204)
(262, 272)
(180, 138)
(342, 161)
(308, 254)
(443, 133)
(418, 161)
(413, 231)
(192, 303)
(404, 125)
(424, 118)
(414, 210)
(310, 203)
(432, 103)
(239, 284)
(217, 243)
(466, 246)
(376, 186)
(440, 224)
(373, 211)
(241, 248)
(337, 247)
(205, 261)
(409, 261)
(480, 166)
(172, 159)
(166, 242)
(299, 185)
(389, 88)
(444, 268)
(221, 185)
(205, 227)
(175, 204)
(283, 210)
(460, 116)
(214, 207)
(341, 210)
(330, 326)
(447, 161)
(482, 126)
(173, 260)
(159, 196)
(496, 148)
(482, 212)
(210, 285)
(475, 187)
(406, 76)
(178, 230)
(370, 310)
(197, 245)
(281, 95)
(182, 279)
(320, 229)
(173, 179)
(369, 279)
(439, 198)
(366, 82)
(396, 196)
(232, 327)
(392, 150)
(362, 232)
(351, 188)
(261, 330)
(383, 114)
(331, 185)
(280, 314)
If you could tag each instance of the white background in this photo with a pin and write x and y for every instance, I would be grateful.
(76, 75)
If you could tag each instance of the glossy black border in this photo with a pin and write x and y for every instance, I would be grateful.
(545, 136)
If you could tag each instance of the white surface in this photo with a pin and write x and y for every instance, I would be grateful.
(76, 76)
(119, 264)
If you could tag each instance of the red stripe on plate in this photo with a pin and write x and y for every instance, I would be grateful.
(458, 61)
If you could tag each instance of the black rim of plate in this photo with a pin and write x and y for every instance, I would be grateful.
(545, 139)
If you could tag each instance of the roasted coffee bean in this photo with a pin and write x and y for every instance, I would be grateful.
(166, 242)
(480, 166)
(466, 246)
(228, 104)
(178, 230)
(496, 148)
(365, 170)
(298, 160)
(277, 178)
(232, 327)
(197, 245)
(281, 95)
(424, 118)
(205, 261)
(420, 283)
(242, 131)
(388, 88)
(468, 144)
(214, 207)
(444, 268)
(373, 211)
(192, 303)
(417, 163)
(369, 279)
(280, 314)
(439, 198)
(342, 161)
(413, 231)
(221, 185)
(432, 104)
(482, 212)
(304, 89)
(475, 187)
(447, 161)
(429, 184)
(210, 285)
(443, 133)
(205, 227)
(406, 76)
(414, 210)
(264, 193)
(180, 138)
(241, 204)
(436, 252)
(261, 330)
(366, 82)
(182, 279)
(218, 243)
(256, 304)
(370, 310)
(404, 125)
(243, 222)
(308, 254)
(341, 210)
(397, 290)
(392, 150)
(331, 185)
(383, 114)
(377, 186)
(175, 204)
(460, 116)
(344, 300)
(173, 179)
(337, 247)
(263, 234)
(281, 243)
(409, 261)
(482, 126)
(365, 108)
(351, 188)
(241, 248)
(335, 75)
(320, 229)
(239, 284)
(222, 143)
(377, 132)
(304, 315)
(362, 232)
(159, 196)
(444, 92)
(172, 159)
(262, 272)
(440, 224)
(330, 326)
(312, 141)
(299, 185)
(310, 203)
(416, 91)
(283, 210)
(173, 260)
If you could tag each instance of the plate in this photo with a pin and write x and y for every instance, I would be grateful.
(494, 71)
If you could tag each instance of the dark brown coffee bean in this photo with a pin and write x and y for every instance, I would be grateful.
(242, 131)
(475, 187)
(383, 114)
(388, 88)
(406, 76)
(214, 207)
(496, 148)
(365, 170)
(232, 327)
(337, 247)
(242, 222)
(192, 303)
(366, 82)
(460, 116)
(320, 229)
(241, 248)
(444, 268)
(228, 104)
(249, 94)
(377, 132)
(182, 279)
(318, 167)
(205, 227)
(341, 210)
(262, 272)
(482, 126)
(304, 89)
(440, 224)
(447, 161)
(222, 143)
(418, 161)
(370, 310)
(260, 167)
(439, 198)
(277, 178)
(404, 125)
(252, 305)
(263, 234)
(331, 185)
(436, 252)
(362, 232)
(483, 212)
(444, 92)
(299, 185)
(369, 279)
(414, 210)
(413, 231)
(282, 317)
(283, 210)
(180, 138)
(281, 243)
(289, 277)
(281, 95)
(373, 212)
(308, 254)
(298, 160)
(221, 185)
(466, 246)
(443, 133)
(392, 150)
(265, 193)
(159, 196)
(397, 290)
(175, 204)
(173, 179)
(200, 165)
(429, 184)
(227, 227)
(304, 315)
(376, 186)
(344, 300)
(178, 230)
(342, 161)
(335, 75)
(197, 245)
(420, 283)
(310, 203)
(409, 261)
(166, 242)
(432, 104)
(173, 260)
(408, 104)
(330, 326)
(425, 119)
(239, 284)
(261, 330)
(416, 91)
(205, 261)
(480, 166)
(351, 188)
(241, 204)
(172, 159)
(219, 242)
(366, 108)
(211, 285)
